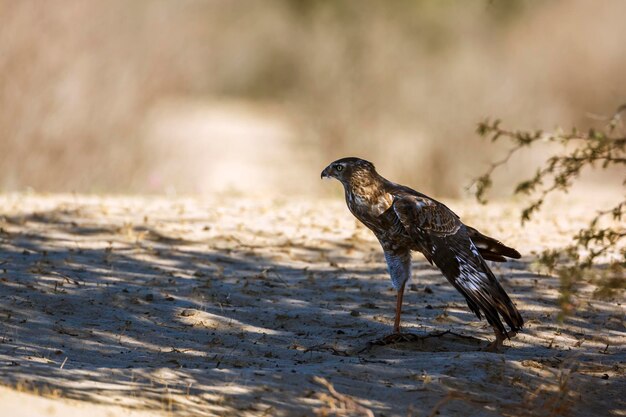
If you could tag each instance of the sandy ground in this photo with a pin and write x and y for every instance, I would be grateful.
(192, 307)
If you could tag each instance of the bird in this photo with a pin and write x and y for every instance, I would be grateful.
(404, 220)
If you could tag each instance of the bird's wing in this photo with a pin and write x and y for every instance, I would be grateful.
(445, 241)
(424, 219)
(426, 214)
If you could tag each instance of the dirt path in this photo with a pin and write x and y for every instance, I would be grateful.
(193, 307)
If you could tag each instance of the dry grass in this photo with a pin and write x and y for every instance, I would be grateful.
(337, 404)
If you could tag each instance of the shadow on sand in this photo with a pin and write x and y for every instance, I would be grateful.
(113, 313)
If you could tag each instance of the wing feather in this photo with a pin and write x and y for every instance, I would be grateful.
(427, 214)
(444, 240)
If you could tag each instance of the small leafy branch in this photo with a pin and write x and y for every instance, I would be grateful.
(605, 235)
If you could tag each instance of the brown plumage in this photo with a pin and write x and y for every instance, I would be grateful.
(405, 220)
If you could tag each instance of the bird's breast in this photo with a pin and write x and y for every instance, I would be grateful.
(369, 204)
(380, 217)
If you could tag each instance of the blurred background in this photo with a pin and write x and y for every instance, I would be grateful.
(257, 97)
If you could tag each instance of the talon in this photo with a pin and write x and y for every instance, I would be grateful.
(394, 338)
(496, 345)
(493, 347)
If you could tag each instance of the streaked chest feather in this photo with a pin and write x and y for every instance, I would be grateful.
(369, 204)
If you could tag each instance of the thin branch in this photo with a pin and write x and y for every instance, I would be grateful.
(603, 148)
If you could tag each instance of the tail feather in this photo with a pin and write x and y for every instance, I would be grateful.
(484, 294)
(468, 272)
(503, 304)
(490, 248)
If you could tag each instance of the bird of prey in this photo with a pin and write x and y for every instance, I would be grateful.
(405, 220)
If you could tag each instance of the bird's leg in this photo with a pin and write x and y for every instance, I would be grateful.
(400, 295)
(396, 336)
(399, 264)
(496, 344)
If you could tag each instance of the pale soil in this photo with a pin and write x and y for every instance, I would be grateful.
(193, 307)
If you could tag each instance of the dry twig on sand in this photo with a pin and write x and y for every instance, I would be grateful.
(337, 404)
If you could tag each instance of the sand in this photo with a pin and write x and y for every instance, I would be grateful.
(119, 306)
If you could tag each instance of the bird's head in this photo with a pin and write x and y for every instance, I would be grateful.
(346, 169)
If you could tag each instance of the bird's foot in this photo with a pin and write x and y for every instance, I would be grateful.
(496, 345)
(493, 347)
(393, 338)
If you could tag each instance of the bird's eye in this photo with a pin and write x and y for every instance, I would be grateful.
(339, 167)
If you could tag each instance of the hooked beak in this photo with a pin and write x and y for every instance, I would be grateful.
(326, 173)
